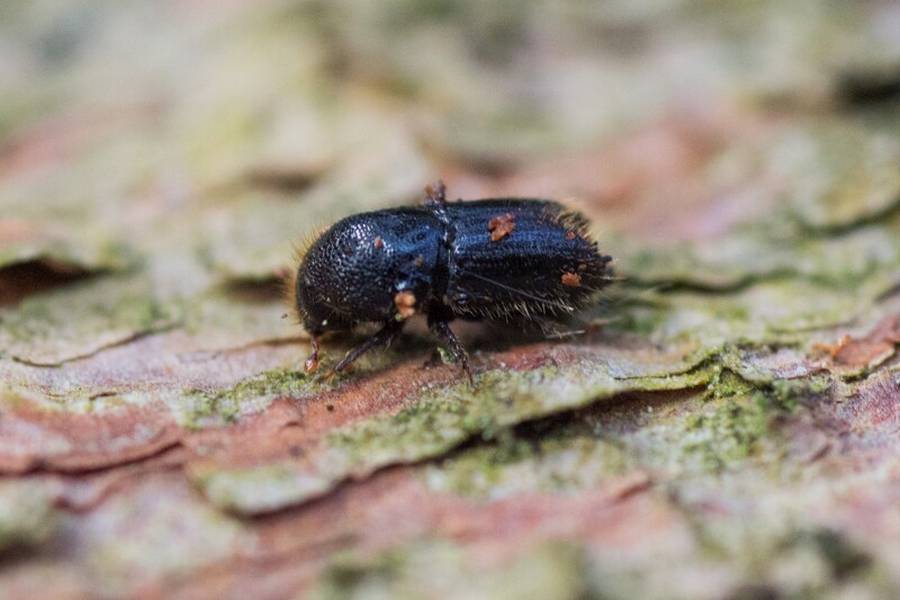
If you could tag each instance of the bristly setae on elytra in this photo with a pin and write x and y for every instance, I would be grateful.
(506, 259)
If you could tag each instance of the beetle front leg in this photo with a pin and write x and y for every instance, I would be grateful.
(441, 329)
(384, 337)
(312, 363)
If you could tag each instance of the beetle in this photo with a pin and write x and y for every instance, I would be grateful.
(502, 259)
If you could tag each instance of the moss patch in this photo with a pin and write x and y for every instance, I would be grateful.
(198, 408)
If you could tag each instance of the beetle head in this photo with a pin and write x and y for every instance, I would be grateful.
(372, 267)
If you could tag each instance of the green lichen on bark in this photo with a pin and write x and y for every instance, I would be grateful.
(441, 420)
(197, 408)
(436, 568)
(64, 325)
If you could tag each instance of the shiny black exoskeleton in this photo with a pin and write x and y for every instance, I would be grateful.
(506, 259)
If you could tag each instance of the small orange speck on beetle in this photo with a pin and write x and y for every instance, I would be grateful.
(405, 303)
(379, 243)
(571, 235)
(501, 226)
(571, 279)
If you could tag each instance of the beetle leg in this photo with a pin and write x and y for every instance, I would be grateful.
(442, 330)
(312, 363)
(384, 337)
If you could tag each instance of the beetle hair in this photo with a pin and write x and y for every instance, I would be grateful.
(289, 278)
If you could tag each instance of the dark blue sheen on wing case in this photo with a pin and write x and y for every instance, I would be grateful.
(522, 271)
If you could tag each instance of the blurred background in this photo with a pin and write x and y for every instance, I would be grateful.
(160, 161)
(229, 129)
